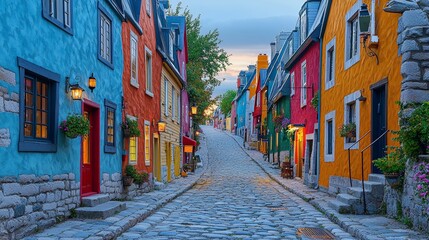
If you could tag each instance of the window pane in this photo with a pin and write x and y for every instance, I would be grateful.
(28, 130)
(44, 118)
(44, 132)
(38, 116)
(44, 104)
(28, 100)
(38, 131)
(39, 88)
(330, 137)
(28, 115)
(28, 85)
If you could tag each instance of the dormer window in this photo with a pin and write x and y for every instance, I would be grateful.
(303, 33)
(171, 45)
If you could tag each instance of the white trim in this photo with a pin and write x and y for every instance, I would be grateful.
(166, 85)
(148, 7)
(309, 136)
(329, 157)
(146, 141)
(292, 84)
(351, 14)
(353, 97)
(149, 71)
(329, 46)
(304, 91)
(134, 38)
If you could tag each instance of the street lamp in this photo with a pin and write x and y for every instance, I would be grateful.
(92, 82)
(161, 126)
(364, 20)
(75, 89)
(193, 109)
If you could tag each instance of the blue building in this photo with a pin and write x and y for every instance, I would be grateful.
(48, 47)
(242, 101)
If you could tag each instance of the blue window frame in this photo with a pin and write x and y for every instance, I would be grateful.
(105, 36)
(38, 104)
(110, 127)
(60, 13)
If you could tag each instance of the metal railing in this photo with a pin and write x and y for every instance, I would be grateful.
(362, 170)
(348, 151)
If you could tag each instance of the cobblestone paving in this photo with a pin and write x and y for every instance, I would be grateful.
(234, 199)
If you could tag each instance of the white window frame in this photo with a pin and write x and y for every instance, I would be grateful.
(331, 46)
(303, 28)
(304, 81)
(173, 103)
(353, 97)
(147, 142)
(105, 38)
(329, 117)
(178, 114)
(351, 15)
(166, 85)
(171, 45)
(292, 84)
(149, 71)
(148, 7)
(137, 145)
(134, 54)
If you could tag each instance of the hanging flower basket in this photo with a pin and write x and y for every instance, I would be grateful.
(130, 128)
(75, 125)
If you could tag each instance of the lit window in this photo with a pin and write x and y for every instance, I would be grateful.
(110, 143)
(147, 142)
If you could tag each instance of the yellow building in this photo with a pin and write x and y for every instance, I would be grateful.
(357, 89)
(171, 87)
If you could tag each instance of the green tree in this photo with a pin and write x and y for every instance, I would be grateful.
(206, 60)
(226, 101)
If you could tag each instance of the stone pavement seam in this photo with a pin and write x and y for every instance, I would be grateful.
(345, 222)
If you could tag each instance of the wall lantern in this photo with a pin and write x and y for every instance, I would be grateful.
(161, 126)
(197, 133)
(194, 109)
(364, 21)
(75, 89)
(92, 82)
(188, 148)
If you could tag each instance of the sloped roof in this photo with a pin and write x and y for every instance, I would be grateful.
(132, 13)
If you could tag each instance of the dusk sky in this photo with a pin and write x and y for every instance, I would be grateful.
(246, 28)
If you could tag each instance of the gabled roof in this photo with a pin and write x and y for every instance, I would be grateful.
(249, 75)
(132, 13)
(324, 17)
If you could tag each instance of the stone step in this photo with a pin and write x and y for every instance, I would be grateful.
(348, 199)
(357, 192)
(101, 211)
(159, 185)
(340, 207)
(377, 178)
(95, 200)
(375, 188)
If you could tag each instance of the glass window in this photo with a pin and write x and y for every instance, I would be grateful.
(134, 60)
(171, 45)
(133, 150)
(354, 37)
(330, 133)
(303, 26)
(148, 7)
(105, 36)
(59, 12)
(303, 84)
(38, 108)
(351, 118)
(292, 84)
(165, 96)
(147, 142)
(109, 142)
(173, 103)
(148, 71)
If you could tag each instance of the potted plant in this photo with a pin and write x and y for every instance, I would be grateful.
(315, 101)
(75, 125)
(140, 178)
(130, 128)
(348, 130)
(392, 165)
(130, 173)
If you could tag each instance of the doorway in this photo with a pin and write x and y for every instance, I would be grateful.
(156, 158)
(90, 155)
(379, 122)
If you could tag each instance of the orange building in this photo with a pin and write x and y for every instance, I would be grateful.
(360, 83)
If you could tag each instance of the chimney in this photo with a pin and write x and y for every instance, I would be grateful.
(273, 49)
(281, 39)
(262, 62)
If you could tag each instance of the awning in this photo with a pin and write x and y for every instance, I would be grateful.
(188, 141)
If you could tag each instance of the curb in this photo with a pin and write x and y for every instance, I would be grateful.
(122, 226)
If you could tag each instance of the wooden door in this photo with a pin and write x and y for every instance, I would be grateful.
(90, 154)
(379, 124)
(156, 158)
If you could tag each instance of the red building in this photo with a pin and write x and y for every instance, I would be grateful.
(141, 84)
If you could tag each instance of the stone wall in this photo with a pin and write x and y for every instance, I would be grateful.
(9, 102)
(29, 203)
(406, 204)
(111, 184)
(413, 41)
(135, 190)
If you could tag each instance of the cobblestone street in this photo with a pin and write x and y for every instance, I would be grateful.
(233, 199)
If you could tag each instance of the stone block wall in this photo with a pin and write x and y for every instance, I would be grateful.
(111, 184)
(29, 203)
(135, 190)
(9, 102)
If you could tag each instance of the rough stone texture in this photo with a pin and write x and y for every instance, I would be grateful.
(30, 202)
(14, 97)
(4, 137)
(11, 106)
(415, 18)
(7, 76)
(1, 104)
(409, 45)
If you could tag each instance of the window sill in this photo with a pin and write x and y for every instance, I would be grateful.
(134, 83)
(109, 149)
(149, 93)
(329, 85)
(329, 158)
(352, 61)
(107, 63)
(59, 24)
(34, 146)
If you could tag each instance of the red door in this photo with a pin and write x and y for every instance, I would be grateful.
(90, 173)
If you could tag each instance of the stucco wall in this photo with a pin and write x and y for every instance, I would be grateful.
(360, 76)
(137, 102)
(73, 56)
